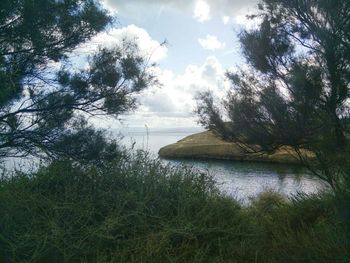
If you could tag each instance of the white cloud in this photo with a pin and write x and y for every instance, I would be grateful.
(173, 104)
(247, 23)
(201, 11)
(211, 42)
(148, 46)
(225, 20)
(108, 5)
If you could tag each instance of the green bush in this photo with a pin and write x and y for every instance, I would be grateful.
(136, 209)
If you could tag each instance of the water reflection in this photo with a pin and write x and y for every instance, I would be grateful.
(238, 179)
(246, 179)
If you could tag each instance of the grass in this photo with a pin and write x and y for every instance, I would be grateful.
(208, 146)
(136, 209)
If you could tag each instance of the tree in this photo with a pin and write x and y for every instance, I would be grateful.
(43, 108)
(297, 88)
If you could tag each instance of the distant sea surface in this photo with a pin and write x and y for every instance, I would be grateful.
(153, 139)
(241, 180)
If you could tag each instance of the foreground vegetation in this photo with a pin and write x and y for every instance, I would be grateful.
(135, 209)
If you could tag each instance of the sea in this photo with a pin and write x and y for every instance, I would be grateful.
(237, 179)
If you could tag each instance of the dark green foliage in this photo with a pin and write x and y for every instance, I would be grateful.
(296, 91)
(40, 104)
(135, 209)
(34, 32)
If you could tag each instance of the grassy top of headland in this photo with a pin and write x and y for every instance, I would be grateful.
(207, 145)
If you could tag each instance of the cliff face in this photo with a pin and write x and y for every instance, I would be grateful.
(206, 145)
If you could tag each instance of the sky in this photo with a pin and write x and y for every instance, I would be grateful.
(202, 44)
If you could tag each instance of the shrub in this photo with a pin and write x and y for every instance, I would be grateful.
(136, 209)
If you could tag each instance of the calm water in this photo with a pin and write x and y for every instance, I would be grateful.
(238, 179)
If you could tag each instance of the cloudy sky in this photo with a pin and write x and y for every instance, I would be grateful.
(202, 45)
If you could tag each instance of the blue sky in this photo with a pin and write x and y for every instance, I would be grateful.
(182, 32)
(202, 46)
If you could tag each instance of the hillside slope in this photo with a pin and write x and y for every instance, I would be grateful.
(206, 145)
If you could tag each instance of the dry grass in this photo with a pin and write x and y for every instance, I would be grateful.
(207, 145)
